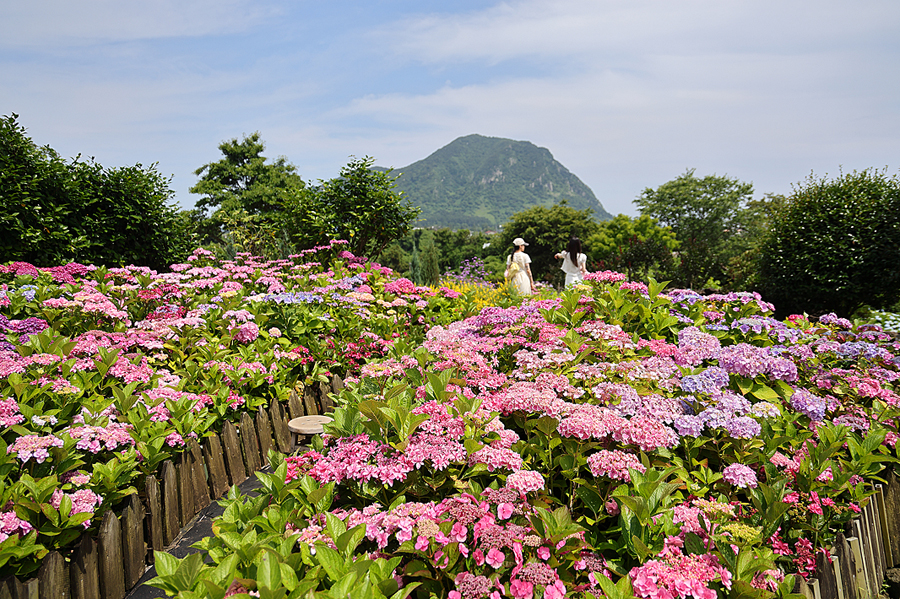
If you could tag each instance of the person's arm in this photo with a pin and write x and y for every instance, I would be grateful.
(528, 270)
(582, 264)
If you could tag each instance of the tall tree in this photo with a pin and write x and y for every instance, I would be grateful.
(361, 206)
(704, 213)
(245, 189)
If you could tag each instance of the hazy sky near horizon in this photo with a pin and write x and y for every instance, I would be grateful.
(627, 95)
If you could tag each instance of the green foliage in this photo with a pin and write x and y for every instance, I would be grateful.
(57, 211)
(479, 183)
(835, 245)
(633, 246)
(704, 215)
(247, 194)
(547, 231)
(361, 206)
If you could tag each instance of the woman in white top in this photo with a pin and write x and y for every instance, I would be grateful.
(518, 271)
(574, 262)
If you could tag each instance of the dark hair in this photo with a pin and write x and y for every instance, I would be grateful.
(574, 249)
(513, 253)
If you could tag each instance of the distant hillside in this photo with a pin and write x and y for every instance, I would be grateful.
(478, 182)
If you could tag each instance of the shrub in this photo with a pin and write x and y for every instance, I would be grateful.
(57, 211)
(835, 246)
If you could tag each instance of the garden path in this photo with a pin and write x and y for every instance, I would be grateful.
(198, 528)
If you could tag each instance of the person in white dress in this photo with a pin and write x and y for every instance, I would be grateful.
(518, 271)
(574, 262)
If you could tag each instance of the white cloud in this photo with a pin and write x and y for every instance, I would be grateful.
(51, 23)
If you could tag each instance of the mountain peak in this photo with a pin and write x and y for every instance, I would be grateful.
(479, 182)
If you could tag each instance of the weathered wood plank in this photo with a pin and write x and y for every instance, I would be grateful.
(30, 589)
(249, 444)
(802, 588)
(53, 577)
(295, 406)
(309, 401)
(848, 566)
(279, 426)
(84, 571)
(112, 574)
(825, 576)
(325, 398)
(6, 588)
(878, 548)
(184, 474)
(215, 464)
(861, 580)
(233, 459)
(171, 520)
(264, 434)
(201, 486)
(871, 547)
(154, 514)
(838, 577)
(134, 549)
(337, 384)
(892, 501)
(889, 559)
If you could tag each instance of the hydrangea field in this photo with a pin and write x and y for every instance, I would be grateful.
(617, 439)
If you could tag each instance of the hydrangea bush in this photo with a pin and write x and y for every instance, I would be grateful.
(616, 440)
(106, 373)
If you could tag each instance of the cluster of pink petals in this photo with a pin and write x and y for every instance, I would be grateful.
(614, 464)
(10, 524)
(678, 576)
(83, 501)
(34, 446)
(96, 438)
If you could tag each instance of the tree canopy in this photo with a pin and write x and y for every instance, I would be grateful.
(547, 230)
(244, 190)
(58, 211)
(704, 213)
(637, 247)
(361, 206)
(835, 245)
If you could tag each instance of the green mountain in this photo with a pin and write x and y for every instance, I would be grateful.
(477, 182)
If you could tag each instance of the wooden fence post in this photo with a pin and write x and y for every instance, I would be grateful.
(309, 401)
(53, 577)
(112, 575)
(201, 487)
(325, 399)
(154, 514)
(249, 443)
(171, 521)
(233, 459)
(134, 549)
(295, 408)
(279, 426)
(264, 432)
(215, 463)
(84, 571)
(184, 474)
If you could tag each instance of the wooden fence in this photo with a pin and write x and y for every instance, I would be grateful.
(108, 565)
(870, 545)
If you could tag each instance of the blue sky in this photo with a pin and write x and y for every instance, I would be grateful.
(626, 94)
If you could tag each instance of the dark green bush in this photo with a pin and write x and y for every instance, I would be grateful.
(835, 246)
(54, 211)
